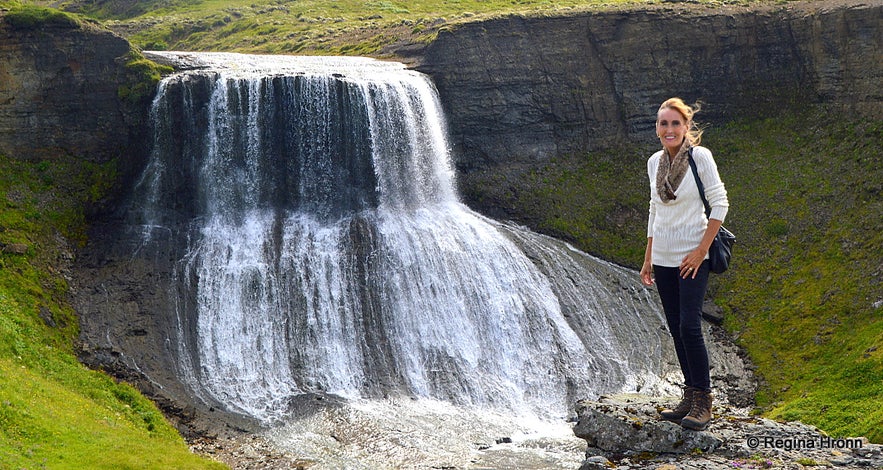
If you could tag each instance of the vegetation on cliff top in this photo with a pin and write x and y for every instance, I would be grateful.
(344, 27)
(805, 296)
(31, 17)
(54, 412)
(142, 76)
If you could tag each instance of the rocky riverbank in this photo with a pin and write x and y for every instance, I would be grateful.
(624, 432)
(620, 432)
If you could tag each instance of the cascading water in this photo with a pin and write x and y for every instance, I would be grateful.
(327, 252)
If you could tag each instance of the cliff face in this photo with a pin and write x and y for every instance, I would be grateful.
(60, 92)
(514, 89)
(522, 90)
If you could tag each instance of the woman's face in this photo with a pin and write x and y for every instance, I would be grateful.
(671, 128)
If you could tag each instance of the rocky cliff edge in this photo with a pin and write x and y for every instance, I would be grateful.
(526, 89)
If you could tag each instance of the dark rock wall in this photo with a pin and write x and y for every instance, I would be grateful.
(514, 89)
(60, 93)
(525, 89)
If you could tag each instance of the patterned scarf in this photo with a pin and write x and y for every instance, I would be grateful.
(671, 171)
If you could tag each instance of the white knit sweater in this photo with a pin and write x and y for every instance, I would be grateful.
(678, 226)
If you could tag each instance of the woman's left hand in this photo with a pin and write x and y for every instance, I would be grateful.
(690, 264)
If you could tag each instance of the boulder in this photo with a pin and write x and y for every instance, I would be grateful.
(631, 425)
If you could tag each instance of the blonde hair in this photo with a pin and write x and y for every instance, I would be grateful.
(694, 133)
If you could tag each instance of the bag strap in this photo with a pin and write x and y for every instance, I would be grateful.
(699, 183)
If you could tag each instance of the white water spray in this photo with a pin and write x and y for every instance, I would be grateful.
(328, 252)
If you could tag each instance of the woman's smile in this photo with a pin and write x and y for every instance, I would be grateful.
(671, 129)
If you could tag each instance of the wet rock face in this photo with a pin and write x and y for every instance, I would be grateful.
(524, 90)
(625, 431)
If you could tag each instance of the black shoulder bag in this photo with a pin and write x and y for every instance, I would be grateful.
(722, 247)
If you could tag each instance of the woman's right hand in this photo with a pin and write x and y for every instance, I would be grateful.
(647, 274)
(647, 268)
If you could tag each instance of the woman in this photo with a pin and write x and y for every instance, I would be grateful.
(678, 238)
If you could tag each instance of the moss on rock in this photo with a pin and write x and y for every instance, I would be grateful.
(142, 76)
(31, 17)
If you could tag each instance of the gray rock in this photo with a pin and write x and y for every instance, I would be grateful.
(523, 90)
(633, 426)
(60, 93)
(626, 430)
(596, 462)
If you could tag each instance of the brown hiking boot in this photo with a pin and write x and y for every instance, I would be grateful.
(682, 408)
(700, 413)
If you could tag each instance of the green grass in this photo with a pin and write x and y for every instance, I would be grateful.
(316, 27)
(143, 75)
(804, 296)
(54, 412)
(32, 17)
(806, 292)
(345, 27)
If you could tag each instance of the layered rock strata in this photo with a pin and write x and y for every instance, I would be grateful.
(526, 89)
(60, 86)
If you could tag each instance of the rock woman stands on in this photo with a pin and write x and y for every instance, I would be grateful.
(678, 238)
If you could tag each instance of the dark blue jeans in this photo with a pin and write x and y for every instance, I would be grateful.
(682, 302)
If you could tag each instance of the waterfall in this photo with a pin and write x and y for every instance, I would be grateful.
(327, 252)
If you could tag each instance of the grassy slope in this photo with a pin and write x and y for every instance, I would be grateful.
(806, 295)
(310, 26)
(54, 412)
